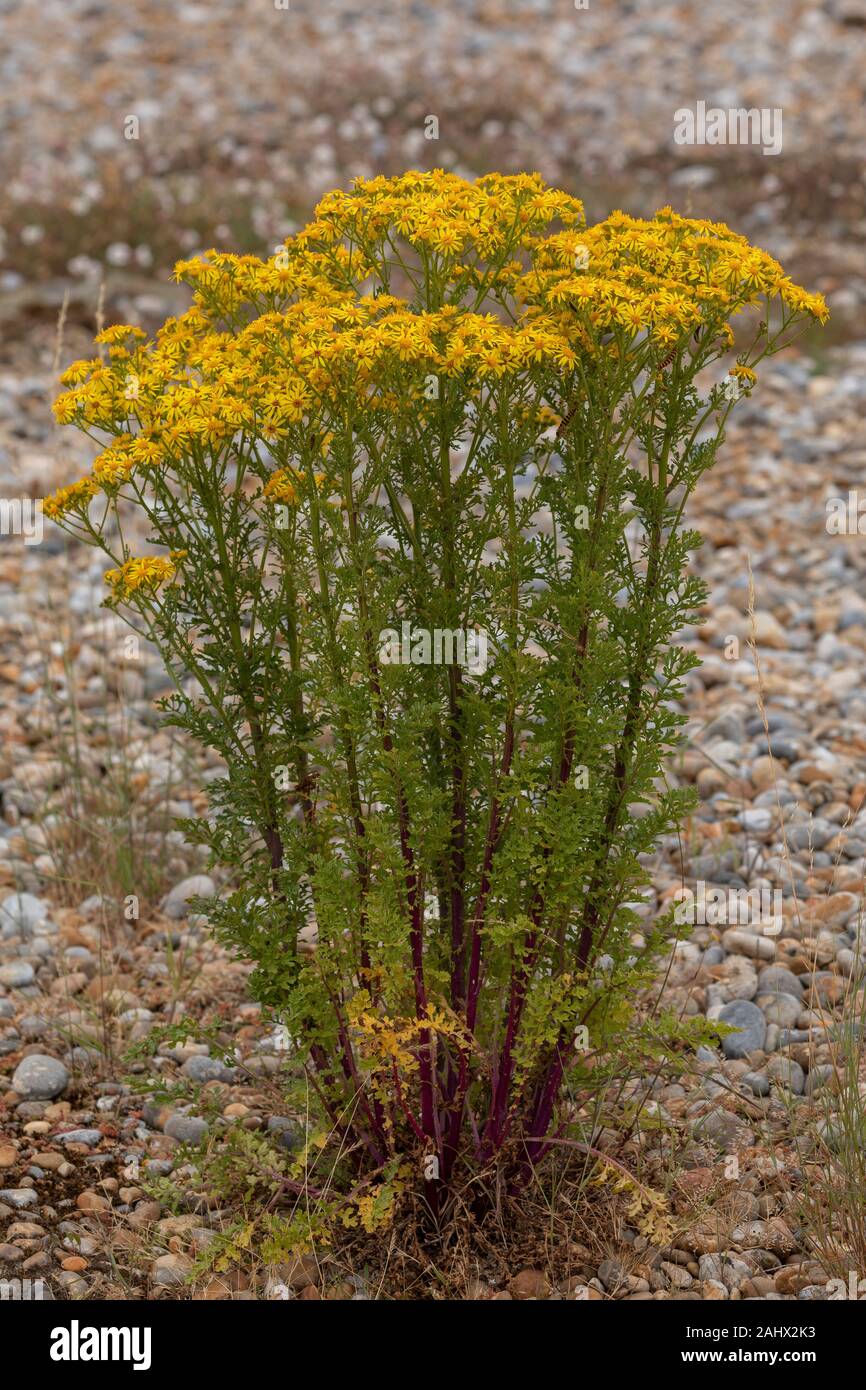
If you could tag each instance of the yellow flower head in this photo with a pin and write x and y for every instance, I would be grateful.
(113, 466)
(282, 487)
(75, 498)
(147, 572)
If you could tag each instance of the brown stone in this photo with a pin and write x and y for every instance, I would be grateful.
(92, 1202)
(41, 1260)
(339, 1292)
(300, 1273)
(791, 1278)
(529, 1284)
(49, 1160)
(215, 1290)
(144, 1215)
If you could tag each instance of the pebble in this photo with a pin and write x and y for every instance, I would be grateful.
(18, 1196)
(782, 1009)
(199, 885)
(749, 944)
(758, 1083)
(40, 1077)
(204, 1069)
(186, 1129)
(724, 1129)
(775, 979)
(21, 914)
(170, 1270)
(818, 1077)
(750, 1023)
(92, 1202)
(17, 974)
(788, 1073)
(290, 1133)
(740, 978)
(81, 1136)
(529, 1284)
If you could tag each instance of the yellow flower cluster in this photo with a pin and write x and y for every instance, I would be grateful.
(667, 276)
(441, 213)
(283, 351)
(146, 572)
(74, 498)
(283, 485)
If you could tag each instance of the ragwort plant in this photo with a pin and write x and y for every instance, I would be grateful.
(453, 406)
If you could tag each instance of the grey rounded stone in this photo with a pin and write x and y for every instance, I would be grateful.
(39, 1077)
(740, 979)
(137, 1015)
(280, 1122)
(81, 1136)
(18, 1196)
(725, 1130)
(31, 1109)
(203, 1069)
(814, 834)
(72, 1283)
(776, 979)
(784, 748)
(187, 1129)
(20, 914)
(781, 1009)
(33, 1026)
(747, 943)
(158, 1167)
(752, 1026)
(95, 903)
(289, 1132)
(851, 962)
(787, 1073)
(170, 1270)
(818, 1077)
(611, 1273)
(79, 1056)
(198, 886)
(757, 1082)
(79, 956)
(17, 974)
(263, 1066)
(714, 1085)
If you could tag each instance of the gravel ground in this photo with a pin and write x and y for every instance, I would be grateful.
(246, 115)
